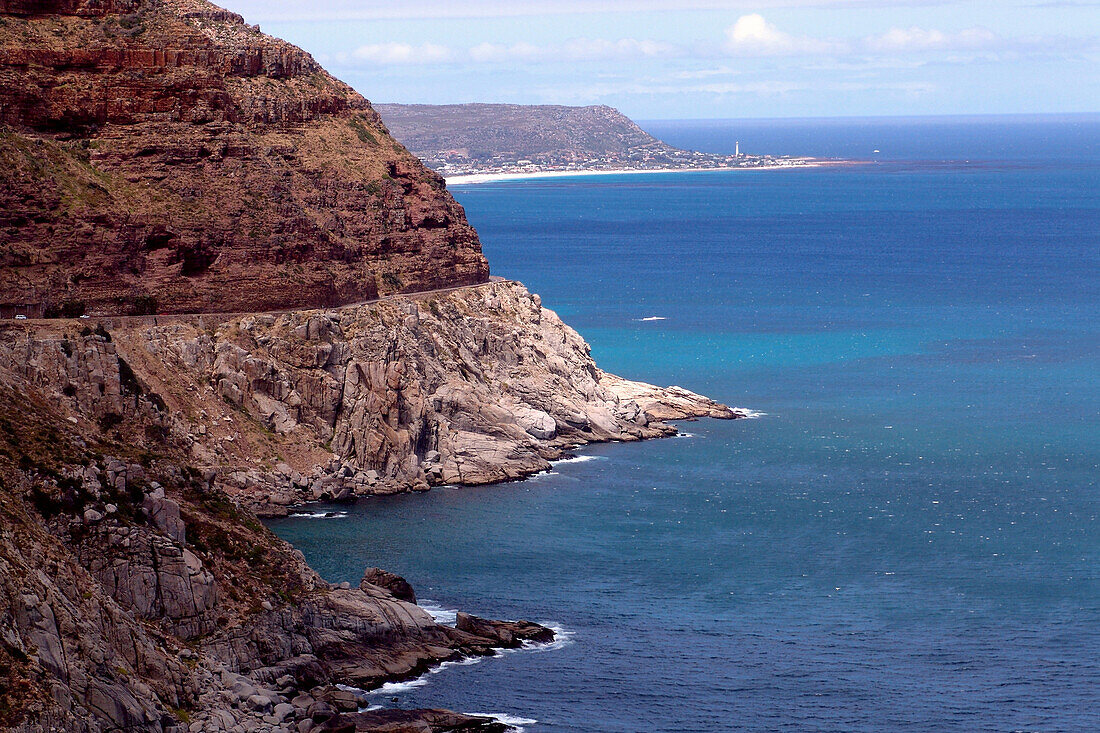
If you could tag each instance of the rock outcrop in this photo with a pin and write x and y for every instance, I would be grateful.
(472, 386)
(397, 586)
(509, 634)
(162, 156)
(135, 595)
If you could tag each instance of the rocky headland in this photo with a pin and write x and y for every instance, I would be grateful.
(468, 386)
(466, 142)
(282, 305)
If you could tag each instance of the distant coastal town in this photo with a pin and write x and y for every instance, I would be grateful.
(458, 162)
(470, 141)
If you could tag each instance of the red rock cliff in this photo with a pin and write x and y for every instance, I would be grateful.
(164, 156)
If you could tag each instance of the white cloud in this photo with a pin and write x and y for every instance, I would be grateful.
(401, 54)
(266, 11)
(752, 35)
(921, 39)
(574, 50)
(487, 53)
(595, 49)
(774, 88)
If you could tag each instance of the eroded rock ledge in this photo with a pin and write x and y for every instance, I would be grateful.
(468, 386)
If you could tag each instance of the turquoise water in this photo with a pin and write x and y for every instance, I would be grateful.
(909, 539)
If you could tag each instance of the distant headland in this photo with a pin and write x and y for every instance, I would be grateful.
(471, 143)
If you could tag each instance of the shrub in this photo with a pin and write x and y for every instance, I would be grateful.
(144, 305)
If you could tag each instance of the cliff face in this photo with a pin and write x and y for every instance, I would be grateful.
(470, 386)
(135, 596)
(163, 156)
(136, 588)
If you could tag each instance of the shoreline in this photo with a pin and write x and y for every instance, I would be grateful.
(302, 509)
(466, 179)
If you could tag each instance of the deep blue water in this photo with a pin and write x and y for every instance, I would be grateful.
(909, 540)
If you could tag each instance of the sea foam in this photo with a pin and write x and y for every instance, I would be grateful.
(320, 515)
(578, 459)
(443, 616)
(512, 721)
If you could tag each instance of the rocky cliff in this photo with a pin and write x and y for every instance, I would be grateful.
(160, 156)
(137, 590)
(163, 156)
(469, 386)
(134, 595)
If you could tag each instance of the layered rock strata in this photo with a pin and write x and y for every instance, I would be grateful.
(471, 386)
(162, 156)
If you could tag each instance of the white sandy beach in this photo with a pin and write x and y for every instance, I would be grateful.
(470, 178)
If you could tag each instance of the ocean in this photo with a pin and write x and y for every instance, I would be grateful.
(908, 539)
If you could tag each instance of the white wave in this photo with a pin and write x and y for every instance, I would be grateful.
(685, 435)
(562, 638)
(512, 721)
(396, 688)
(444, 616)
(651, 318)
(745, 413)
(541, 474)
(578, 459)
(320, 515)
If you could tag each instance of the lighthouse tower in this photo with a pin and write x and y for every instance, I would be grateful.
(737, 149)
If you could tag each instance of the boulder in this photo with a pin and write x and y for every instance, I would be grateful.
(504, 633)
(398, 587)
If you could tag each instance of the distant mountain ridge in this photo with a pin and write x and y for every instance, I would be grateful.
(456, 139)
(491, 129)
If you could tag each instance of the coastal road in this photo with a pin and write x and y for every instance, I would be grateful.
(212, 318)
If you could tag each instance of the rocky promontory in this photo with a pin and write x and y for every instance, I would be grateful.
(137, 589)
(226, 291)
(471, 386)
(135, 595)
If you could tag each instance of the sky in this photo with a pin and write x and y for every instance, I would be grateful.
(699, 59)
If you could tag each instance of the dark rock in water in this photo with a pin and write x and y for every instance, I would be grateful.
(395, 584)
(506, 633)
(393, 720)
